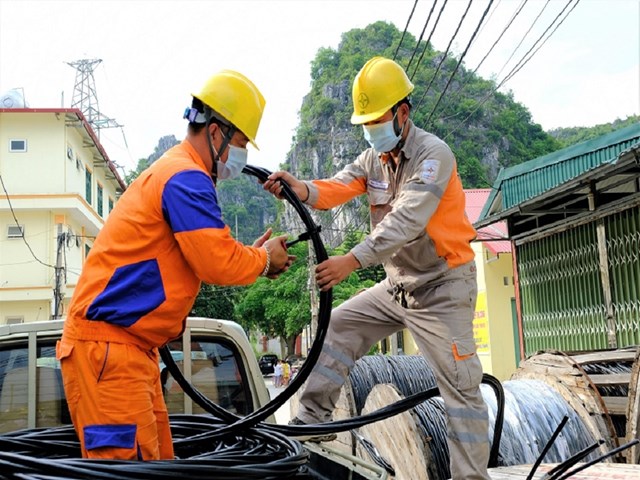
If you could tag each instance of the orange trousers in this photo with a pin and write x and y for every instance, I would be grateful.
(115, 400)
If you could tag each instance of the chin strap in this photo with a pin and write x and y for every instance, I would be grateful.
(215, 156)
(396, 127)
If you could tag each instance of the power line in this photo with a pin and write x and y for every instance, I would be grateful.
(471, 76)
(518, 66)
(513, 17)
(405, 29)
(427, 44)
(522, 63)
(422, 35)
(460, 59)
(523, 37)
(15, 218)
(445, 54)
(490, 16)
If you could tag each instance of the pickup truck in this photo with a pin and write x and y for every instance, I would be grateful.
(214, 356)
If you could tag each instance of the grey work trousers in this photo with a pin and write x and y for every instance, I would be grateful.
(440, 319)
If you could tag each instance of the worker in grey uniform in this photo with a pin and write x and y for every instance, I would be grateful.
(421, 235)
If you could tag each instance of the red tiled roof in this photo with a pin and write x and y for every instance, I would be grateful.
(475, 200)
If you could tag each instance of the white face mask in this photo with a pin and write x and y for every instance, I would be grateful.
(381, 136)
(236, 161)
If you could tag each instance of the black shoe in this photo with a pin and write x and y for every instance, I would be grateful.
(323, 437)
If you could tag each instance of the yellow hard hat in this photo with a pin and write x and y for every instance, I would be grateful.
(234, 97)
(378, 86)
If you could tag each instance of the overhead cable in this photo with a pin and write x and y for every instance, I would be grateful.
(504, 30)
(523, 62)
(405, 29)
(426, 45)
(433, 6)
(459, 60)
(444, 55)
(15, 218)
(470, 77)
(515, 70)
(526, 34)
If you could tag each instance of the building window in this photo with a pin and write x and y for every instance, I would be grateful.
(99, 200)
(15, 231)
(88, 184)
(14, 319)
(110, 204)
(17, 146)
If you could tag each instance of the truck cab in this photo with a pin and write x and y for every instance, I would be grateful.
(223, 367)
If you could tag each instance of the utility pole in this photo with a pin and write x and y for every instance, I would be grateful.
(60, 275)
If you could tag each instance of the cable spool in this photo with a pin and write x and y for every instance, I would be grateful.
(415, 442)
(533, 410)
(369, 371)
(398, 439)
(602, 387)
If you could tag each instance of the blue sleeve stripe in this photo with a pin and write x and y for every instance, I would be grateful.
(190, 202)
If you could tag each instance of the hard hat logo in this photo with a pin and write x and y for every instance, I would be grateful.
(363, 101)
(379, 85)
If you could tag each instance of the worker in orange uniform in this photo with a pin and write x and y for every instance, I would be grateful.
(139, 282)
(421, 235)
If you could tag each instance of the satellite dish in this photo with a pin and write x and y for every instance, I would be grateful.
(13, 99)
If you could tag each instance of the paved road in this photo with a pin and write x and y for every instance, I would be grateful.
(283, 414)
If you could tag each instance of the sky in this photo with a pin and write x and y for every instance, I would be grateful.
(156, 53)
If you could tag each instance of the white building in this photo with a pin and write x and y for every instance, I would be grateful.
(57, 188)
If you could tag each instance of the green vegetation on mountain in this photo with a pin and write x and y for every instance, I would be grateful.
(571, 135)
(486, 129)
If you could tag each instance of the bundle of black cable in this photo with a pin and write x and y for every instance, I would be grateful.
(256, 453)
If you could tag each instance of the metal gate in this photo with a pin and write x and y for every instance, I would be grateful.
(566, 301)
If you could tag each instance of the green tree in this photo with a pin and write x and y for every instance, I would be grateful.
(142, 165)
(215, 302)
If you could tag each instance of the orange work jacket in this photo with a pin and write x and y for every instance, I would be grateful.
(163, 238)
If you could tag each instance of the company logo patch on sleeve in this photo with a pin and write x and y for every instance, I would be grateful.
(429, 171)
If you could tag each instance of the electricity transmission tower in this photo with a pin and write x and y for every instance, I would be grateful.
(84, 95)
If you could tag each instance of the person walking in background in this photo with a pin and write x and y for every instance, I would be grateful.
(139, 282)
(277, 374)
(421, 235)
(286, 373)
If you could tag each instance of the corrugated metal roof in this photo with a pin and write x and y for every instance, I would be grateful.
(494, 235)
(527, 180)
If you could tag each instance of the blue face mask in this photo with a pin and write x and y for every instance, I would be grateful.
(381, 136)
(236, 161)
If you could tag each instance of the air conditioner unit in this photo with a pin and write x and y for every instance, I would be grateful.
(15, 231)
